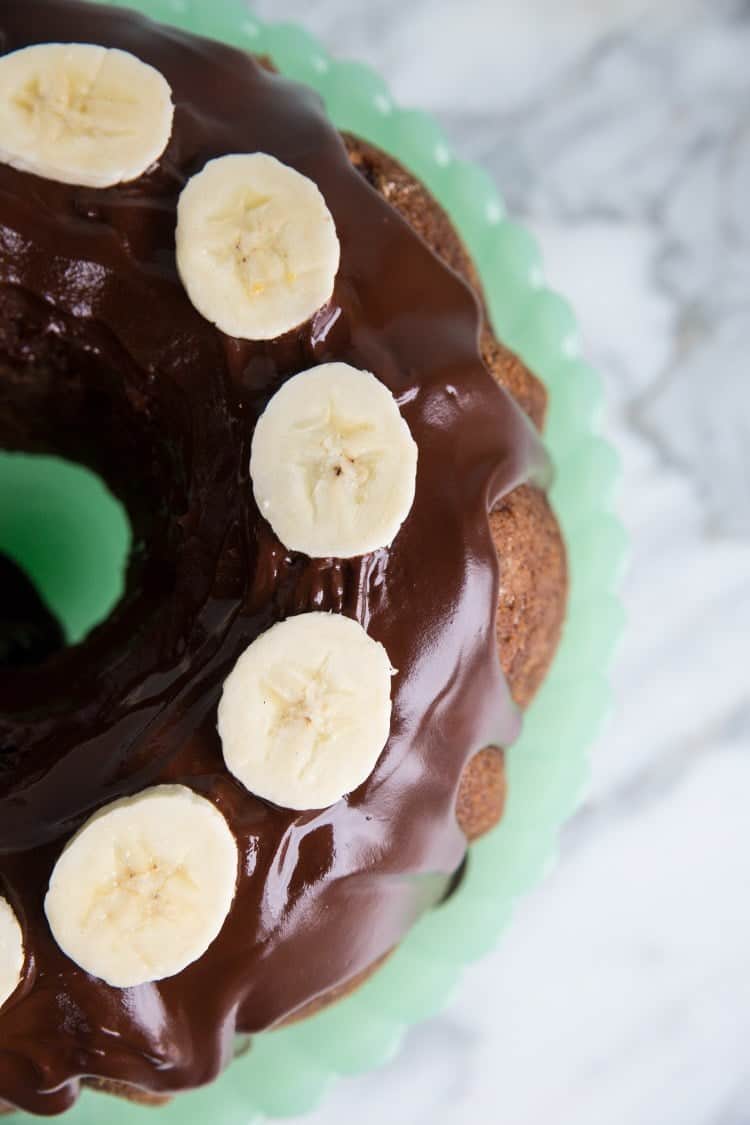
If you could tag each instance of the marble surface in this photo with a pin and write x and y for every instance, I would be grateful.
(619, 130)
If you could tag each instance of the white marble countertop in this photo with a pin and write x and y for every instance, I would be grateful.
(620, 131)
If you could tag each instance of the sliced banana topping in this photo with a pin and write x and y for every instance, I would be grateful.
(144, 887)
(82, 114)
(306, 711)
(333, 463)
(11, 951)
(256, 246)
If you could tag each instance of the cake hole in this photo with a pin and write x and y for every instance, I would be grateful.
(71, 538)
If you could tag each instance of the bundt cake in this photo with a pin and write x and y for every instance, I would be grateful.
(222, 808)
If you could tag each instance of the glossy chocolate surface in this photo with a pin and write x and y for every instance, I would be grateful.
(29, 633)
(103, 359)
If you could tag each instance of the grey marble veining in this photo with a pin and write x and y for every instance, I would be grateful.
(619, 130)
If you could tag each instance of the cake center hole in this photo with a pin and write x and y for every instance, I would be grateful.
(64, 547)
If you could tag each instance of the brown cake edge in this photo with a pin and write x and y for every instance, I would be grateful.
(531, 552)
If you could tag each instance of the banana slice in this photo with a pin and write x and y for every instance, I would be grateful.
(333, 463)
(82, 114)
(306, 711)
(11, 951)
(257, 249)
(143, 888)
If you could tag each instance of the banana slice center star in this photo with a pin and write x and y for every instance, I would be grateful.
(142, 888)
(63, 106)
(337, 455)
(308, 710)
(247, 237)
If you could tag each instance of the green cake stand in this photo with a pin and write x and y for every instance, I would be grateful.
(287, 1072)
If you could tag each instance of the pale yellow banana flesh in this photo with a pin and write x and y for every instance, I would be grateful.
(142, 890)
(257, 249)
(333, 463)
(11, 951)
(306, 711)
(82, 114)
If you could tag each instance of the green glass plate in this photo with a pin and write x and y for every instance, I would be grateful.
(70, 535)
(287, 1072)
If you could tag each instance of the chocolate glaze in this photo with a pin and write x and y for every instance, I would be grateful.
(104, 360)
(29, 633)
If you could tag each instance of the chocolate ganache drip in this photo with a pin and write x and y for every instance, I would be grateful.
(104, 360)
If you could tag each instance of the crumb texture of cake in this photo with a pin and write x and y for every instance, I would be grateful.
(109, 358)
